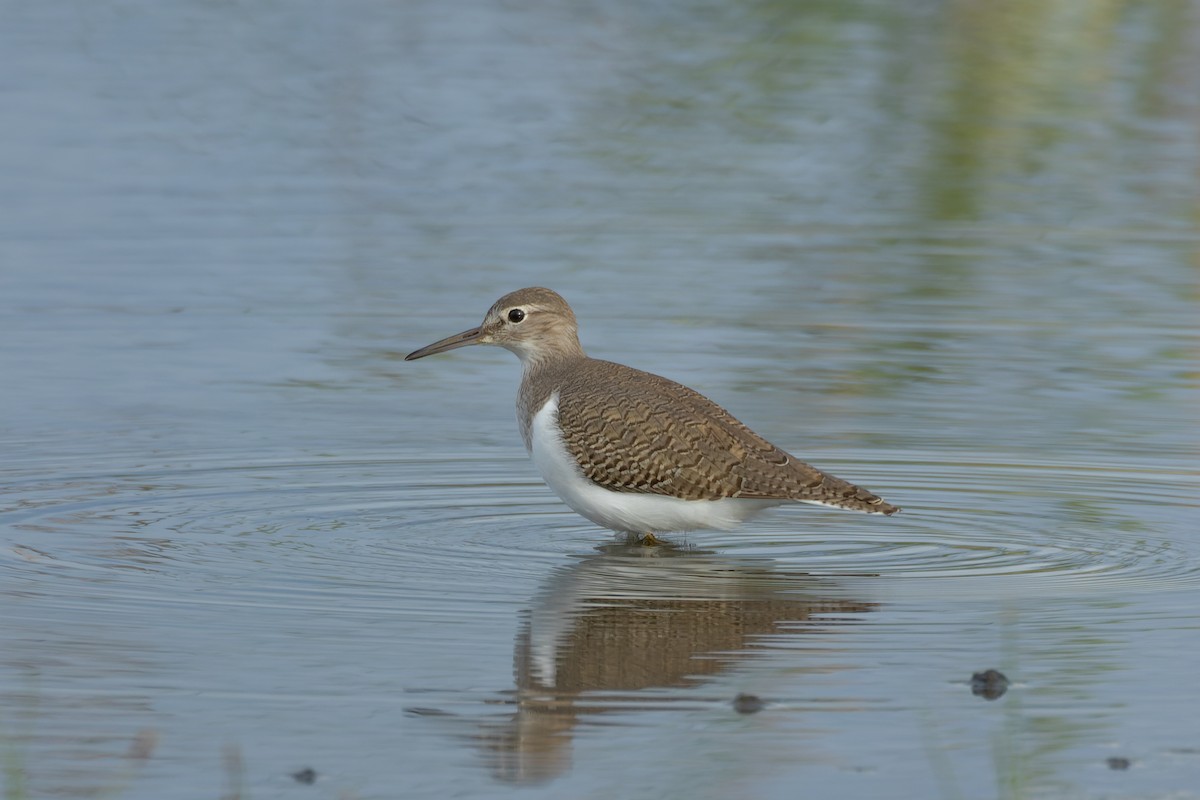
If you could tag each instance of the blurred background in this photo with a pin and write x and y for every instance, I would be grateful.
(946, 248)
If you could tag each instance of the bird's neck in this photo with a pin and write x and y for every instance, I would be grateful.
(548, 353)
(542, 374)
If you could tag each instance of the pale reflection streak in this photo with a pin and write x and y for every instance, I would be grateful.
(629, 619)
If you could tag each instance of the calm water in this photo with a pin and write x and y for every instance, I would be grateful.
(948, 250)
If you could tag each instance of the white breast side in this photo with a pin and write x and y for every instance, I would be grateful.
(624, 511)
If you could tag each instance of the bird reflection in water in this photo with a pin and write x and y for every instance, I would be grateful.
(629, 619)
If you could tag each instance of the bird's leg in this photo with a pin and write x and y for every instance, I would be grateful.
(649, 540)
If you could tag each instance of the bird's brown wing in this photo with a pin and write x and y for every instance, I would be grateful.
(632, 431)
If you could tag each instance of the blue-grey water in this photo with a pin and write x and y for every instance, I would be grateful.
(948, 250)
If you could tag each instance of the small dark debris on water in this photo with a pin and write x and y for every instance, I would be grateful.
(1118, 762)
(989, 684)
(423, 711)
(307, 776)
(748, 704)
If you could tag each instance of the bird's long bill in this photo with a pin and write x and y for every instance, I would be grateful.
(449, 343)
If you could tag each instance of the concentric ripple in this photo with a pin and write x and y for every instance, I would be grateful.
(1041, 526)
(375, 531)
(369, 533)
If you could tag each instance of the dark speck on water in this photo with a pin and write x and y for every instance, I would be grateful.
(1118, 763)
(748, 704)
(989, 684)
(420, 711)
(308, 775)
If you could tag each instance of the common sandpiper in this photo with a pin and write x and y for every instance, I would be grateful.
(633, 451)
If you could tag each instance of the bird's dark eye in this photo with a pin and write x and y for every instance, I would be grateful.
(516, 315)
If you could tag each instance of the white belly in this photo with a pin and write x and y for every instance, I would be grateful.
(624, 511)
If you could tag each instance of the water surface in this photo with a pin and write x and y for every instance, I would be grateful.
(945, 250)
